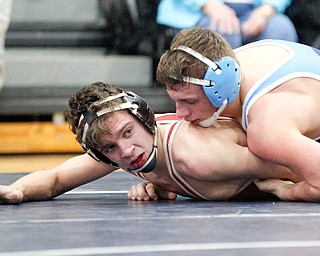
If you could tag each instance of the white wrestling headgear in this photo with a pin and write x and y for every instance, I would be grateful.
(221, 82)
(138, 107)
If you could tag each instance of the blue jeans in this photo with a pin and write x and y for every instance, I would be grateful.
(278, 27)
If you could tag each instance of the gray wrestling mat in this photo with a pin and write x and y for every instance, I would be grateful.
(98, 219)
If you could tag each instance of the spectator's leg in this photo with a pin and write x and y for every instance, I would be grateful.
(278, 27)
(234, 40)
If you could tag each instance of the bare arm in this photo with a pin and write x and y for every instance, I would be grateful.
(302, 156)
(47, 184)
(222, 156)
(286, 190)
(287, 145)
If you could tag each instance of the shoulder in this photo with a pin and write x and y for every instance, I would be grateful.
(194, 141)
(228, 129)
(201, 152)
(167, 118)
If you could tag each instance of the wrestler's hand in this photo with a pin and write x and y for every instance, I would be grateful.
(278, 187)
(148, 191)
(10, 195)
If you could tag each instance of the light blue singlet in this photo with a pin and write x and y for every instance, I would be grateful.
(302, 61)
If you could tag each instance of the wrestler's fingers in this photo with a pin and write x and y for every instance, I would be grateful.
(138, 192)
(142, 191)
(133, 193)
(129, 194)
(15, 197)
(171, 195)
(10, 196)
(167, 195)
(271, 185)
(151, 191)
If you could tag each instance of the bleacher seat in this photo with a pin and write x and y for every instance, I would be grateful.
(54, 47)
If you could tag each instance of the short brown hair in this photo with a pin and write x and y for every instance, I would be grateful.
(174, 64)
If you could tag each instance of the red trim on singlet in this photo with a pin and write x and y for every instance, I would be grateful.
(139, 174)
(168, 117)
(181, 182)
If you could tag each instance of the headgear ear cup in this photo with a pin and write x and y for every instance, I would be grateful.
(222, 80)
(224, 84)
(144, 113)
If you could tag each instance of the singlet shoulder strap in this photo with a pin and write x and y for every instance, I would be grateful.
(167, 147)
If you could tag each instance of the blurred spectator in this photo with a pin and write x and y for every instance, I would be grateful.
(132, 25)
(305, 14)
(238, 21)
(5, 14)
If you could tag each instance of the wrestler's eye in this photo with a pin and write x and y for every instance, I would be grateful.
(127, 132)
(190, 101)
(108, 148)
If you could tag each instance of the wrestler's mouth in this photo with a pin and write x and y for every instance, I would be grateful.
(138, 161)
(195, 122)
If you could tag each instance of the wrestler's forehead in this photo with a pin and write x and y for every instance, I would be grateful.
(190, 91)
(123, 116)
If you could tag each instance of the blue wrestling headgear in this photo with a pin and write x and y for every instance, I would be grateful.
(138, 107)
(221, 82)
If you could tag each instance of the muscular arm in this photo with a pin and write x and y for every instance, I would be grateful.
(47, 184)
(302, 156)
(286, 144)
(222, 155)
(234, 162)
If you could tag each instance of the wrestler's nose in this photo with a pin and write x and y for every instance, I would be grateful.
(126, 149)
(181, 111)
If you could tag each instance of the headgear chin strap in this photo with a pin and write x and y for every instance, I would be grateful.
(221, 83)
(213, 119)
(152, 159)
(136, 106)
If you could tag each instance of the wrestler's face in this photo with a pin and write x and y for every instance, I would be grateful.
(191, 102)
(129, 144)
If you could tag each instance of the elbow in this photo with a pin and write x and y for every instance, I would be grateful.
(265, 147)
